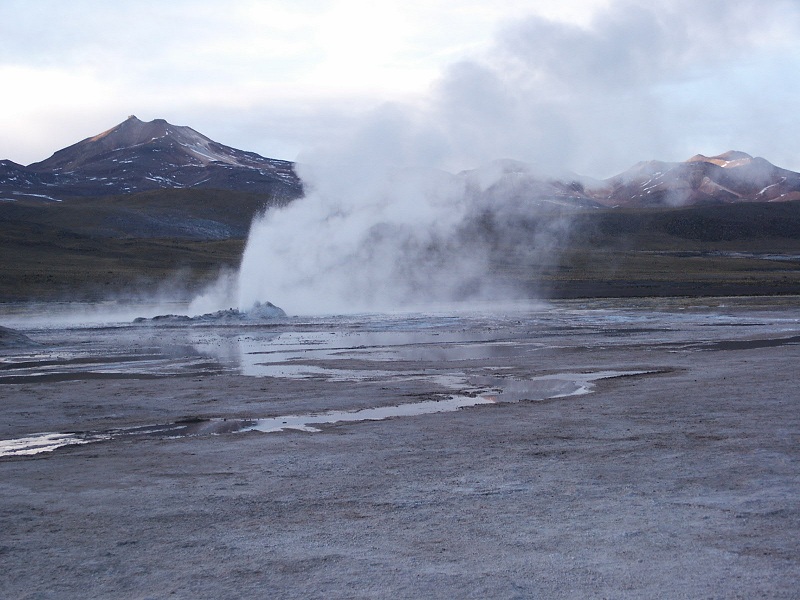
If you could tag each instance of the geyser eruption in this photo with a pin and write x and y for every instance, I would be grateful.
(401, 237)
(396, 238)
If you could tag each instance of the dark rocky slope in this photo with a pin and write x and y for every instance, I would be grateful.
(138, 156)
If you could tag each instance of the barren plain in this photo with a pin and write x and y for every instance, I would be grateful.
(642, 448)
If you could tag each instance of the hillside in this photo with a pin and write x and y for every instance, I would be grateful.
(724, 179)
(742, 249)
(90, 248)
(170, 213)
(704, 250)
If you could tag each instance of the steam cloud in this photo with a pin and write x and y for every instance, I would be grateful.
(385, 224)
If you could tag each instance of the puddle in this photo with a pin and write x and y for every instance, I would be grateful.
(545, 387)
(445, 352)
(271, 354)
(749, 344)
(77, 365)
(493, 391)
(335, 374)
(307, 422)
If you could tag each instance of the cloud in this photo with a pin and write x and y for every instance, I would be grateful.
(588, 84)
(233, 67)
(640, 80)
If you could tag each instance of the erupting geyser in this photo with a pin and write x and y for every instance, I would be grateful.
(395, 241)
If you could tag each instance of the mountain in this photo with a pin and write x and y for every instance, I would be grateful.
(724, 179)
(144, 203)
(155, 180)
(137, 156)
(727, 178)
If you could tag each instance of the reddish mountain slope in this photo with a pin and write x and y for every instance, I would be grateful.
(729, 177)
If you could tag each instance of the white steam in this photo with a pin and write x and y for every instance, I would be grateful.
(384, 225)
(382, 244)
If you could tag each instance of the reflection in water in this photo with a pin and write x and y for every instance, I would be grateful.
(287, 354)
(47, 442)
(306, 422)
(546, 387)
(464, 357)
(300, 371)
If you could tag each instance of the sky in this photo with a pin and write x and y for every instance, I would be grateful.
(587, 85)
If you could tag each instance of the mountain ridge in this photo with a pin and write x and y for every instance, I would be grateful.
(137, 156)
(732, 176)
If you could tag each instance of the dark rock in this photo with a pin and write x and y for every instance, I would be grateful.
(259, 312)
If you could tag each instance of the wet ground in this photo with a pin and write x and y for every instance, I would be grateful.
(576, 449)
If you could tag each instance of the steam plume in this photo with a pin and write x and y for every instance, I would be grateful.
(384, 223)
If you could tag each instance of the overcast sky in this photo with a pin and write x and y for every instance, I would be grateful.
(588, 85)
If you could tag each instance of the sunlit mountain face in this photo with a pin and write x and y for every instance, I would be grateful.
(726, 178)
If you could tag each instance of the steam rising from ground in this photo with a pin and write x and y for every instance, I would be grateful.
(399, 239)
(394, 238)
(382, 226)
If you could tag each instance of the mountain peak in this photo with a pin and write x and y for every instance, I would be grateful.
(140, 155)
(132, 132)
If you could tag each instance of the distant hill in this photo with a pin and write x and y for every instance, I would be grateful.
(728, 178)
(724, 179)
(137, 156)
